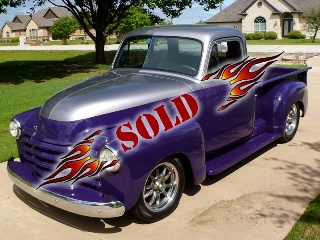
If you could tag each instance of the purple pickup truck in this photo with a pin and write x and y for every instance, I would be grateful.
(178, 104)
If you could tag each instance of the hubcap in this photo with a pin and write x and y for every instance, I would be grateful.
(291, 121)
(161, 187)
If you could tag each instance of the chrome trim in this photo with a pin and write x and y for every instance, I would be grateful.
(113, 151)
(116, 167)
(19, 128)
(89, 209)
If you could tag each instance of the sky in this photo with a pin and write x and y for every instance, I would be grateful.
(189, 16)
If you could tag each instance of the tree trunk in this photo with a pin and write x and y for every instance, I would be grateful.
(99, 43)
(315, 35)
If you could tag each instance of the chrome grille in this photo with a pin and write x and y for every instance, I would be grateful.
(44, 158)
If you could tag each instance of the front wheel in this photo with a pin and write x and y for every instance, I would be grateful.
(292, 123)
(162, 191)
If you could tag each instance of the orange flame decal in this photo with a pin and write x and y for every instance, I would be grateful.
(78, 164)
(241, 73)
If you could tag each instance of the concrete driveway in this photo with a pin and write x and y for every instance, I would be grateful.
(260, 198)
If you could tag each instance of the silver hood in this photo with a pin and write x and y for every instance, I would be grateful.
(110, 92)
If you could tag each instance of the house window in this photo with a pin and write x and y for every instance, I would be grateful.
(260, 24)
(33, 34)
(8, 34)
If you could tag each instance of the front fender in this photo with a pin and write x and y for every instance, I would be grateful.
(278, 101)
(128, 183)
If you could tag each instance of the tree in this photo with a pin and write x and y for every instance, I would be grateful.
(104, 16)
(3, 4)
(312, 19)
(137, 18)
(63, 28)
(166, 23)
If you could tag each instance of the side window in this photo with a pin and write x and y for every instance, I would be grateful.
(213, 64)
(229, 52)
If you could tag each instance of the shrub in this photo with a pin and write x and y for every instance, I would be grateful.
(303, 36)
(271, 35)
(258, 36)
(295, 34)
(14, 40)
(249, 36)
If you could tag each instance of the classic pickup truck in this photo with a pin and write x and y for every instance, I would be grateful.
(178, 104)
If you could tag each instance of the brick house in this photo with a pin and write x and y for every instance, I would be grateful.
(37, 27)
(280, 16)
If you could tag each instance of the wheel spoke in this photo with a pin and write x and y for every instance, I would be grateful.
(164, 192)
(158, 199)
(151, 177)
(164, 172)
(168, 185)
(157, 173)
(152, 199)
(148, 194)
(168, 175)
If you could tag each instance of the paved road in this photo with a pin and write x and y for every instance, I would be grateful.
(251, 48)
(260, 198)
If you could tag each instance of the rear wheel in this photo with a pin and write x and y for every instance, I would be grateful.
(292, 123)
(162, 191)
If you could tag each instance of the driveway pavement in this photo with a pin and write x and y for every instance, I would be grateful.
(251, 48)
(260, 198)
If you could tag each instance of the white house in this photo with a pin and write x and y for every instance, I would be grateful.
(280, 16)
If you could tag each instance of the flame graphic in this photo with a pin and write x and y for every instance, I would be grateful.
(80, 165)
(240, 74)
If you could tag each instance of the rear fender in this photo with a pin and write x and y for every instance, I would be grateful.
(278, 101)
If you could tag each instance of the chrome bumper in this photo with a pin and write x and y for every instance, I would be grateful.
(90, 209)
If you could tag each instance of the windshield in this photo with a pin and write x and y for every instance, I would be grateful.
(181, 55)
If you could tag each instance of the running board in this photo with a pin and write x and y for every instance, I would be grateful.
(219, 164)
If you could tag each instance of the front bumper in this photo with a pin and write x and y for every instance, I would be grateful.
(85, 208)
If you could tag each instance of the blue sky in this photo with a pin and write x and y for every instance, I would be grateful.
(189, 16)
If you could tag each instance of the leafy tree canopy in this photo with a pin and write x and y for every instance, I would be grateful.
(312, 18)
(137, 18)
(104, 16)
(63, 28)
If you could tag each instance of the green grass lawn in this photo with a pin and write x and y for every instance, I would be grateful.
(283, 42)
(29, 78)
(58, 42)
(308, 225)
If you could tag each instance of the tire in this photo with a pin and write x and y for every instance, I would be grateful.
(292, 123)
(161, 192)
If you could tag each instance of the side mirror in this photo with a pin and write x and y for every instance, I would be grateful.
(223, 47)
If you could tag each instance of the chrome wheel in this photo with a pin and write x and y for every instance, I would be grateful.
(292, 120)
(161, 187)
(291, 124)
(161, 192)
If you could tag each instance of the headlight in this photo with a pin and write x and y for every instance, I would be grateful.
(108, 155)
(15, 129)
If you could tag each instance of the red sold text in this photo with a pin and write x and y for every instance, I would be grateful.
(186, 108)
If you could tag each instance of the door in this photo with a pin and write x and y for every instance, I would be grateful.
(234, 123)
(287, 24)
